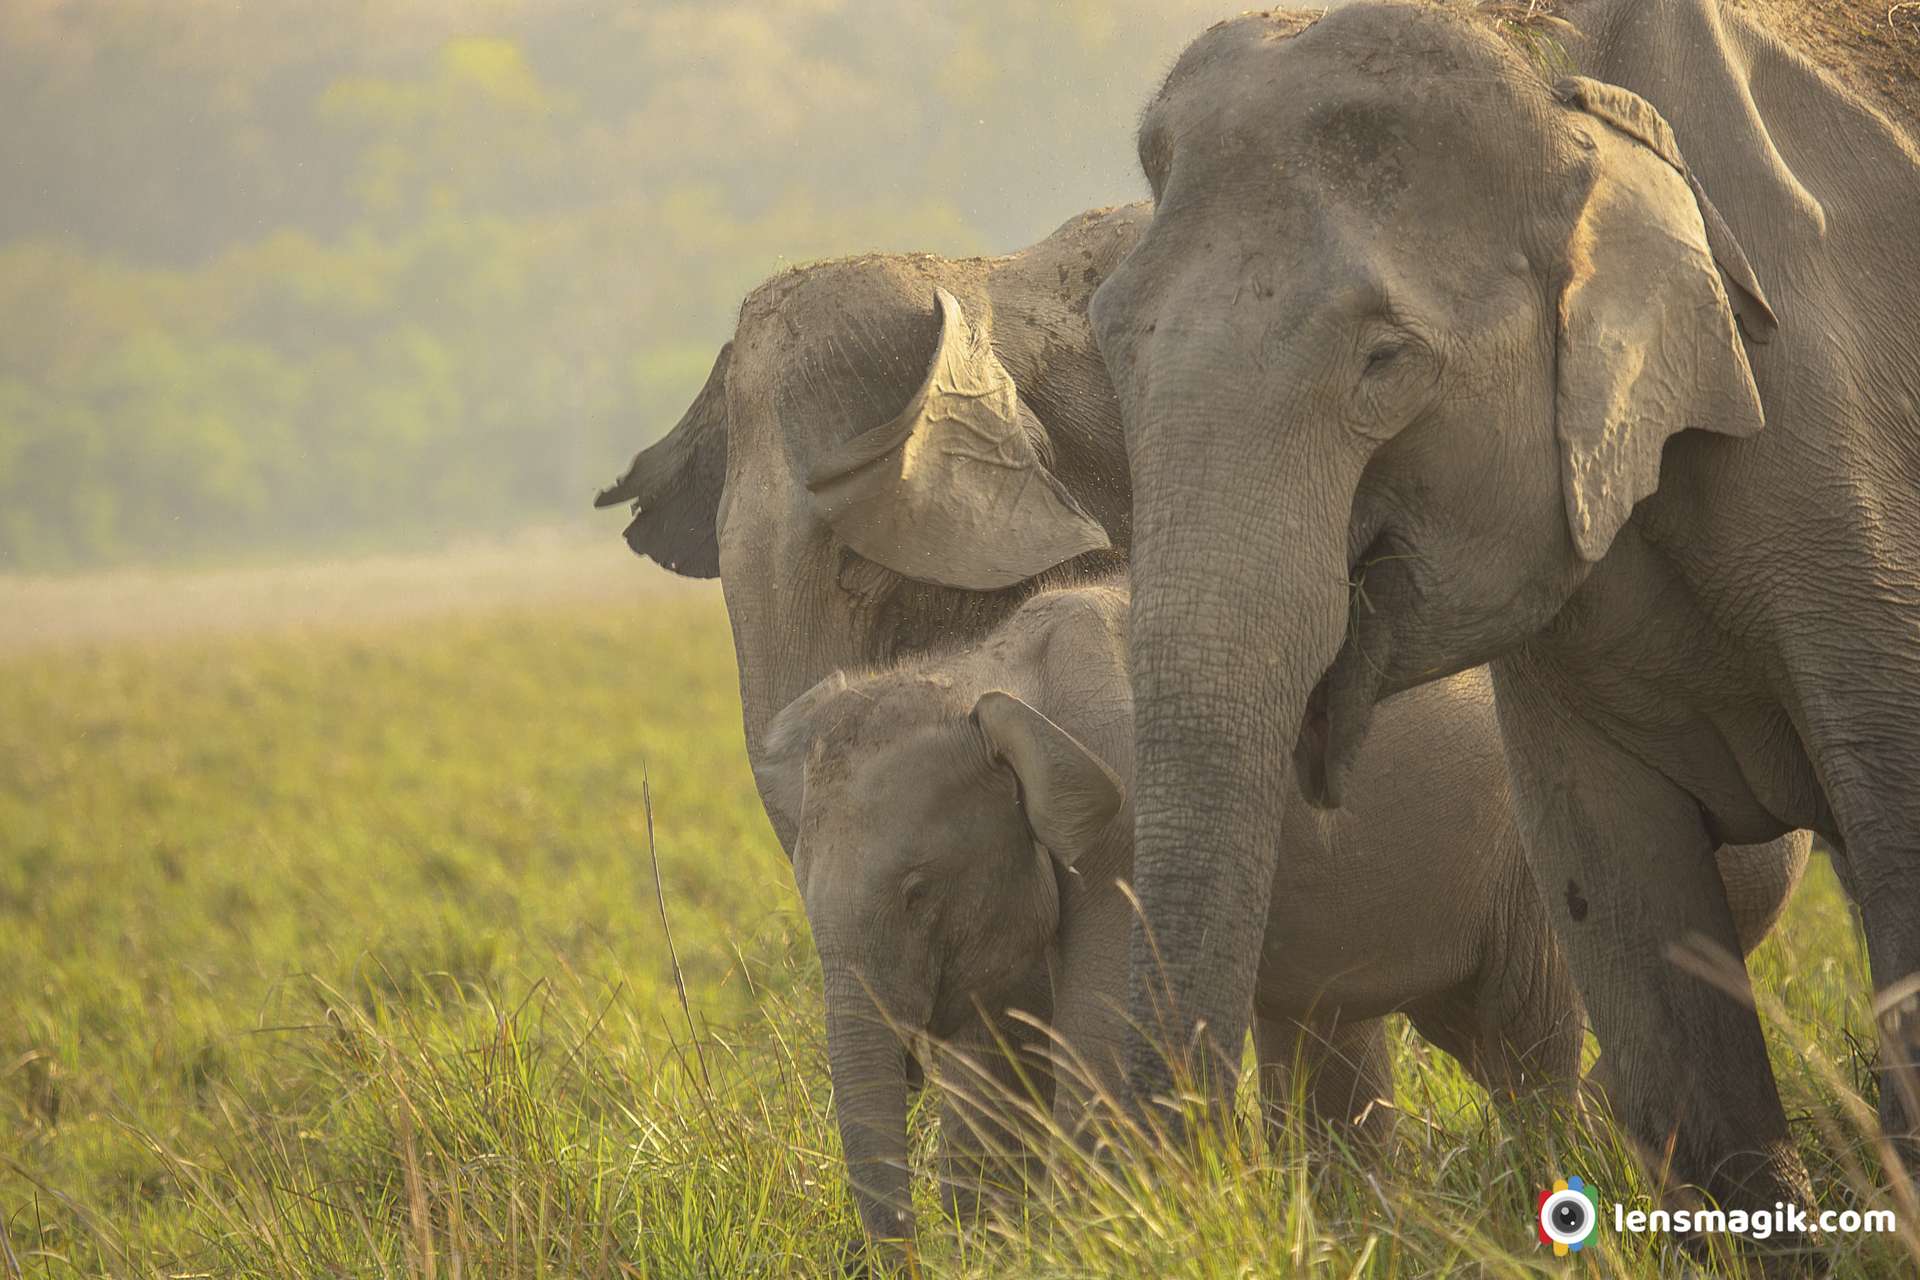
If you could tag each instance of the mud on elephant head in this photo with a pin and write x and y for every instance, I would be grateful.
(892, 452)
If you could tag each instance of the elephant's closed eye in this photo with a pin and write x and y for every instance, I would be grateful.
(1382, 356)
(1396, 373)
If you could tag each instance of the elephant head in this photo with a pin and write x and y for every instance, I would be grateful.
(930, 830)
(1397, 357)
(954, 490)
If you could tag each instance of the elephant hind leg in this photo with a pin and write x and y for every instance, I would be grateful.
(1518, 1029)
(1345, 1072)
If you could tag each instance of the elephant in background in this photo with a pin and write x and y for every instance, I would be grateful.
(892, 452)
(1435, 354)
(963, 823)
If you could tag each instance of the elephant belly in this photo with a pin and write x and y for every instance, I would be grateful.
(1359, 967)
(1390, 899)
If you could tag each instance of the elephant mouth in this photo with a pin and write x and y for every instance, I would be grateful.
(1339, 711)
(1310, 749)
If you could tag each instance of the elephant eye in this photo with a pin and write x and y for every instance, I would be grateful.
(1384, 355)
(1399, 374)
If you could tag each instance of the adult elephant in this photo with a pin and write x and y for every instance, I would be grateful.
(1433, 356)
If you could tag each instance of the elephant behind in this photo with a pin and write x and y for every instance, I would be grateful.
(892, 452)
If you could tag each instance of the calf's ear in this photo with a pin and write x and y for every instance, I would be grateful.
(1069, 794)
(954, 491)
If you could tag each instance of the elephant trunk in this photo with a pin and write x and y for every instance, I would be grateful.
(869, 1065)
(1239, 607)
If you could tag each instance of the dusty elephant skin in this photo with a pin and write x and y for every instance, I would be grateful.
(963, 825)
(1431, 358)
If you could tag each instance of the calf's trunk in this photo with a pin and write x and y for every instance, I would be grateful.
(869, 1067)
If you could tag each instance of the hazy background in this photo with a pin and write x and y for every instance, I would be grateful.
(305, 275)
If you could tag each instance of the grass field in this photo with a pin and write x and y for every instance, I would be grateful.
(334, 950)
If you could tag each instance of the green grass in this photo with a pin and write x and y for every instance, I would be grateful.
(337, 954)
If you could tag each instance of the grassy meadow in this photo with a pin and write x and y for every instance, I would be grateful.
(334, 950)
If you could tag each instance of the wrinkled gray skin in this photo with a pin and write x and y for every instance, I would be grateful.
(1425, 364)
(892, 453)
(963, 824)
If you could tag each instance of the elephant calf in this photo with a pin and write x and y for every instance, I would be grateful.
(964, 822)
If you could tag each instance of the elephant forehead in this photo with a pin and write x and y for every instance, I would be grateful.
(907, 805)
(882, 768)
(1358, 88)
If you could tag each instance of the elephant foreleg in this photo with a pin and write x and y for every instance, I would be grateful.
(1626, 865)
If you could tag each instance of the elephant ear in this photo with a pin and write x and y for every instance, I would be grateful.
(1634, 116)
(1069, 793)
(780, 767)
(953, 491)
(675, 485)
(1646, 343)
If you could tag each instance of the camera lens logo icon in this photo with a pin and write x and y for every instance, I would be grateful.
(1566, 1216)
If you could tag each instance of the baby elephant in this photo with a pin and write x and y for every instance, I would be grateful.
(963, 823)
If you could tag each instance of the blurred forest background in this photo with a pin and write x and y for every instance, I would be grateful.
(306, 274)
